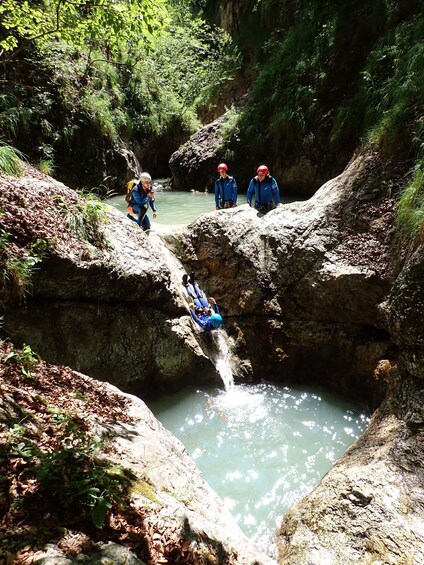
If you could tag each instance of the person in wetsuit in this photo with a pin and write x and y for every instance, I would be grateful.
(205, 314)
(225, 189)
(142, 196)
(263, 191)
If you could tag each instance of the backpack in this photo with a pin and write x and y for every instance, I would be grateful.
(130, 185)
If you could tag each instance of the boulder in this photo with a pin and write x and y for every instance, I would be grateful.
(105, 300)
(193, 165)
(302, 284)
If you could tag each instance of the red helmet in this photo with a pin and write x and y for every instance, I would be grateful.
(262, 169)
(222, 167)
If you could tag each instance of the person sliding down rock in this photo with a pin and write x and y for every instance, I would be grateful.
(205, 314)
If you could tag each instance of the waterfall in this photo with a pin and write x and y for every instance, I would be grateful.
(222, 363)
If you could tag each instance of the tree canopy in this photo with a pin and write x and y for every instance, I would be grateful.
(104, 24)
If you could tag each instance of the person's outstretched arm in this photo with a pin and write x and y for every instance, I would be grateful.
(214, 304)
(152, 206)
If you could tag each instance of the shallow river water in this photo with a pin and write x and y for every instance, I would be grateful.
(176, 207)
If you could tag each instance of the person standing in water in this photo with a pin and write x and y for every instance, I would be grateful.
(263, 190)
(225, 189)
(142, 196)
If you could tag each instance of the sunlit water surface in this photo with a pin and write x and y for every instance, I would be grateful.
(263, 447)
(175, 207)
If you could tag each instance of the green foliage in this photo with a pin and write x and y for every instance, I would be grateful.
(46, 166)
(103, 110)
(19, 272)
(389, 96)
(102, 23)
(17, 445)
(143, 488)
(181, 71)
(72, 475)
(193, 59)
(13, 115)
(93, 482)
(25, 358)
(231, 126)
(330, 75)
(4, 238)
(86, 218)
(109, 70)
(94, 211)
(16, 270)
(410, 219)
(10, 160)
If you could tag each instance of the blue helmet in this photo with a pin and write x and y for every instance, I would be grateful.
(216, 320)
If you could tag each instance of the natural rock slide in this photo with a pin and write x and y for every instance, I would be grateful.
(313, 291)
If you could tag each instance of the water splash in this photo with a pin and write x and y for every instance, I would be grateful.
(222, 363)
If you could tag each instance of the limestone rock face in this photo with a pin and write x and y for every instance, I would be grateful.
(193, 165)
(405, 312)
(113, 307)
(302, 285)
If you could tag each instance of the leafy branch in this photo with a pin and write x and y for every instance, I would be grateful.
(103, 23)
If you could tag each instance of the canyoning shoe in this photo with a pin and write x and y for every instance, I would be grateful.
(185, 280)
(192, 278)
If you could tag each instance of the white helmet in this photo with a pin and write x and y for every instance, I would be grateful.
(145, 176)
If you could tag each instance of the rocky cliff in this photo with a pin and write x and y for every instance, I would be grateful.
(303, 286)
(89, 437)
(313, 291)
(107, 300)
(324, 291)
